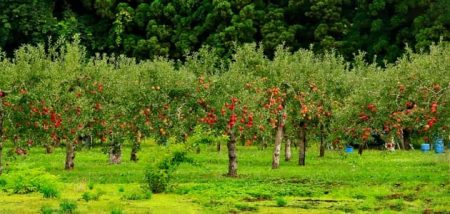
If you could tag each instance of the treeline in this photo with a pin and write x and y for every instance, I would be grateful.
(145, 29)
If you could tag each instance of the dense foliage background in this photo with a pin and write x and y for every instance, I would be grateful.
(145, 29)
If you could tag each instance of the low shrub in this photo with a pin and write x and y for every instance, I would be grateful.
(157, 180)
(23, 181)
(21, 185)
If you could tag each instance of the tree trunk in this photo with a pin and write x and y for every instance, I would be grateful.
(264, 144)
(302, 145)
(1, 155)
(407, 139)
(322, 144)
(242, 139)
(232, 155)
(361, 148)
(287, 150)
(136, 146)
(48, 148)
(400, 135)
(16, 139)
(115, 152)
(70, 156)
(218, 146)
(277, 148)
(133, 156)
(1, 135)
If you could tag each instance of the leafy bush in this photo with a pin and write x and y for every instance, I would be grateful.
(281, 202)
(68, 206)
(46, 184)
(157, 180)
(23, 181)
(121, 189)
(21, 185)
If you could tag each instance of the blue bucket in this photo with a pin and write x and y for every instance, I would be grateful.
(439, 148)
(348, 149)
(439, 141)
(425, 147)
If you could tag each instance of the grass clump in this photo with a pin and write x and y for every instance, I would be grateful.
(90, 196)
(137, 195)
(91, 185)
(68, 206)
(245, 207)
(47, 209)
(117, 210)
(49, 191)
(260, 195)
(281, 202)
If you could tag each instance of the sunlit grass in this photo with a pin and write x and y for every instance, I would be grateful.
(377, 181)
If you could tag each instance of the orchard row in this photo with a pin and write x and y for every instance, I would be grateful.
(51, 97)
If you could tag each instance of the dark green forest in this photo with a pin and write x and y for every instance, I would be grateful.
(174, 28)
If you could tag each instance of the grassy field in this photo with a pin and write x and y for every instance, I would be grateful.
(378, 181)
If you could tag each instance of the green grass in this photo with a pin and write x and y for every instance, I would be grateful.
(398, 182)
